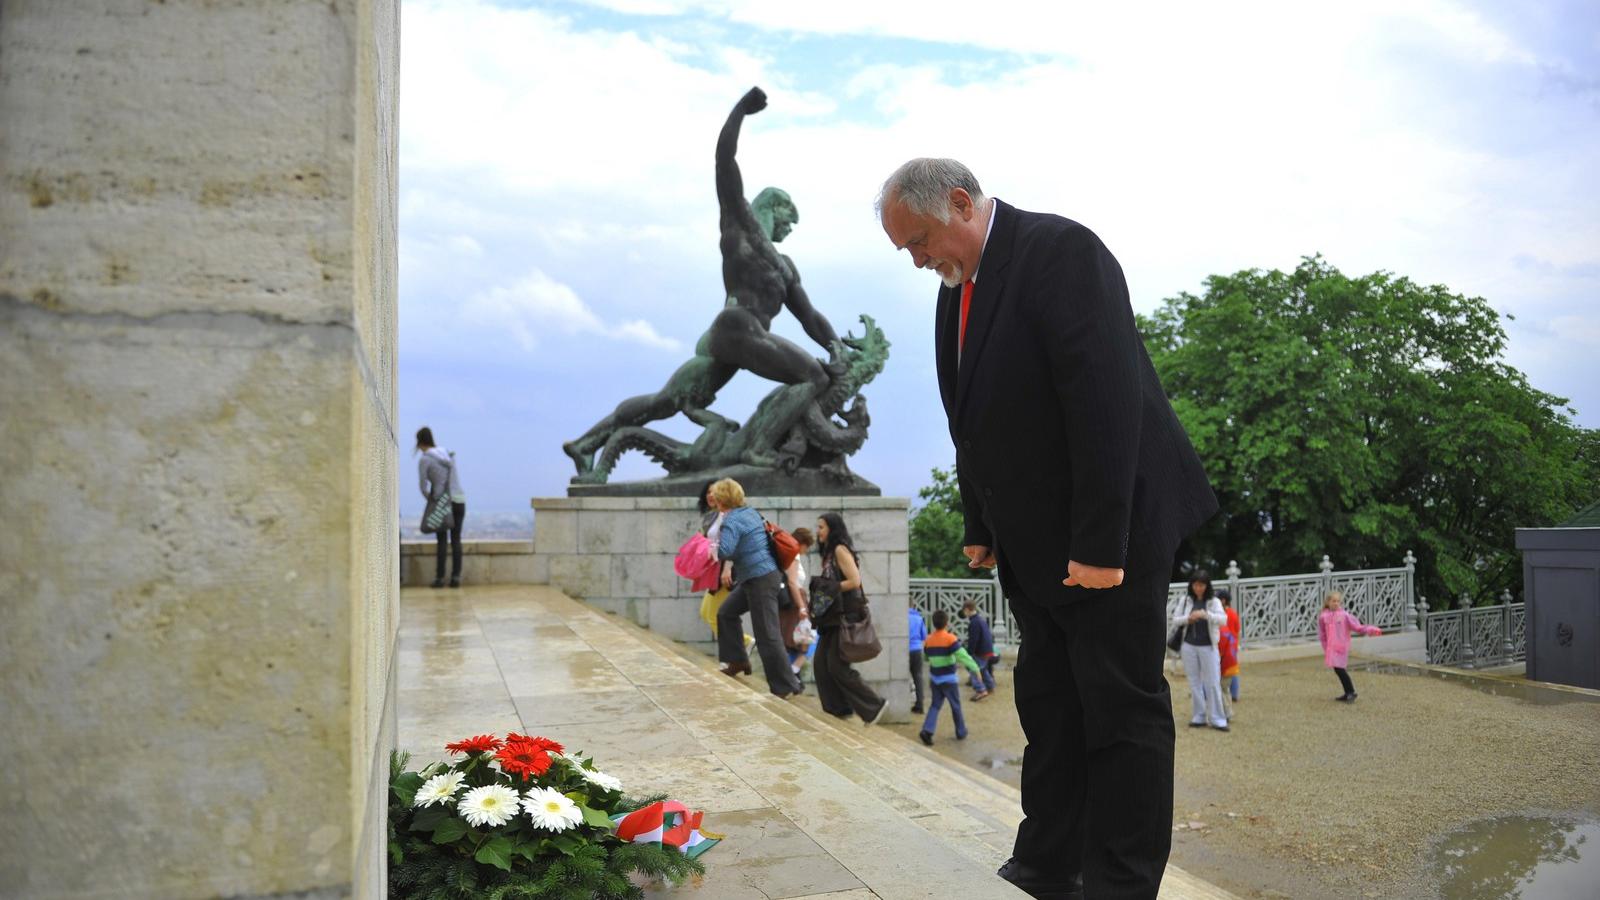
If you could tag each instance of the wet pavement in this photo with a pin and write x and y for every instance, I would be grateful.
(1309, 798)
(811, 807)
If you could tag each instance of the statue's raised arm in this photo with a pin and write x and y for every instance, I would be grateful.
(730, 184)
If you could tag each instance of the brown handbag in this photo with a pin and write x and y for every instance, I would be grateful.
(858, 640)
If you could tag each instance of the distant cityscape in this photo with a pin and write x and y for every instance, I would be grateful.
(480, 526)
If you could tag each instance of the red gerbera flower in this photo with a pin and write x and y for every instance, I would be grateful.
(524, 758)
(544, 744)
(482, 743)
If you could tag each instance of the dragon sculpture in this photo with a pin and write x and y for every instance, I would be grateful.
(815, 441)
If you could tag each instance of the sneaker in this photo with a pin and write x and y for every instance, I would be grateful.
(879, 714)
(927, 737)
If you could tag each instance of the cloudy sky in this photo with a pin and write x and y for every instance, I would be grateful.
(558, 230)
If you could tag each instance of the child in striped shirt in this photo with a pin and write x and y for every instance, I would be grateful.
(943, 651)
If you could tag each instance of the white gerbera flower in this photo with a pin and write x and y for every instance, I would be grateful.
(601, 779)
(439, 789)
(492, 804)
(551, 810)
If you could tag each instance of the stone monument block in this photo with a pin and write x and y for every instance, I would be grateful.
(626, 546)
(197, 269)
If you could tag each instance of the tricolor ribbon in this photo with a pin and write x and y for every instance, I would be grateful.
(669, 823)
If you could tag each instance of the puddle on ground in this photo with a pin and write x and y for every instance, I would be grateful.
(1520, 858)
(1001, 760)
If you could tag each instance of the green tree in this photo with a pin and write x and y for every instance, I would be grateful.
(937, 529)
(1362, 417)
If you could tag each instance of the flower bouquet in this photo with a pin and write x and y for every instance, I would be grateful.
(521, 818)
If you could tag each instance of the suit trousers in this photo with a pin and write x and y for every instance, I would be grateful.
(1096, 711)
(759, 597)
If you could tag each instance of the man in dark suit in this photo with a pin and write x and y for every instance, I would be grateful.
(1076, 479)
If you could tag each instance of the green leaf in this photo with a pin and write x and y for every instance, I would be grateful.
(428, 819)
(567, 844)
(405, 787)
(596, 818)
(496, 852)
(449, 830)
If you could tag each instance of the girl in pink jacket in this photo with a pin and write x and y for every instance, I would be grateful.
(1334, 627)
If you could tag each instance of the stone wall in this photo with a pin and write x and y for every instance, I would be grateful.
(197, 262)
(616, 554)
(483, 562)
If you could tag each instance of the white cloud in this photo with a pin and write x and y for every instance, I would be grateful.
(537, 306)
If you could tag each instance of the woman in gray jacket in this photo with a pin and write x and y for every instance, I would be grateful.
(436, 474)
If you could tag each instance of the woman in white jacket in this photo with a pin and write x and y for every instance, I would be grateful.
(1202, 620)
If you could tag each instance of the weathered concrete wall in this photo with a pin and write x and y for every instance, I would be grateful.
(616, 553)
(197, 239)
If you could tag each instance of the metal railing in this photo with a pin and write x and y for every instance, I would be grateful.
(1271, 609)
(1477, 637)
(1285, 607)
(949, 594)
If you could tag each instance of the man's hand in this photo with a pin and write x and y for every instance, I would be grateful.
(979, 556)
(1080, 575)
(753, 102)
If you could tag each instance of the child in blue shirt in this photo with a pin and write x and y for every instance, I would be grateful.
(980, 644)
(915, 635)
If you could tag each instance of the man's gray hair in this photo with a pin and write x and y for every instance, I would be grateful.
(924, 184)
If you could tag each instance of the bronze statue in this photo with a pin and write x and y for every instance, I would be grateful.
(793, 427)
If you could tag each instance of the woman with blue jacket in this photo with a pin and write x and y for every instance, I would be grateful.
(756, 583)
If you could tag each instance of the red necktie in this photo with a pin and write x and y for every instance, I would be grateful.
(966, 305)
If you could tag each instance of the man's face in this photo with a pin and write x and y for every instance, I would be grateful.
(947, 248)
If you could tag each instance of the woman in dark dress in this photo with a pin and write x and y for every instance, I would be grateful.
(839, 685)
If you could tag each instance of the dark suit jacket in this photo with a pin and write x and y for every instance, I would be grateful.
(1066, 446)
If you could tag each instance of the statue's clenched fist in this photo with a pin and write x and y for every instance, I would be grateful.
(753, 102)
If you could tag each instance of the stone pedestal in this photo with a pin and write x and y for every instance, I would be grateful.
(616, 553)
(197, 349)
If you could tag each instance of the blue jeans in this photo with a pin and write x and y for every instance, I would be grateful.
(941, 693)
(1233, 686)
(986, 669)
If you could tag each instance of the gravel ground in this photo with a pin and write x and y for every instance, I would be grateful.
(1310, 798)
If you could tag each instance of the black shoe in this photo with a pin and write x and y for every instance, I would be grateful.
(1220, 727)
(1346, 698)
(927, 737)
(438, 582)
(917, 708)
(455, 581)
(1197, 724)
(1040, 885)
